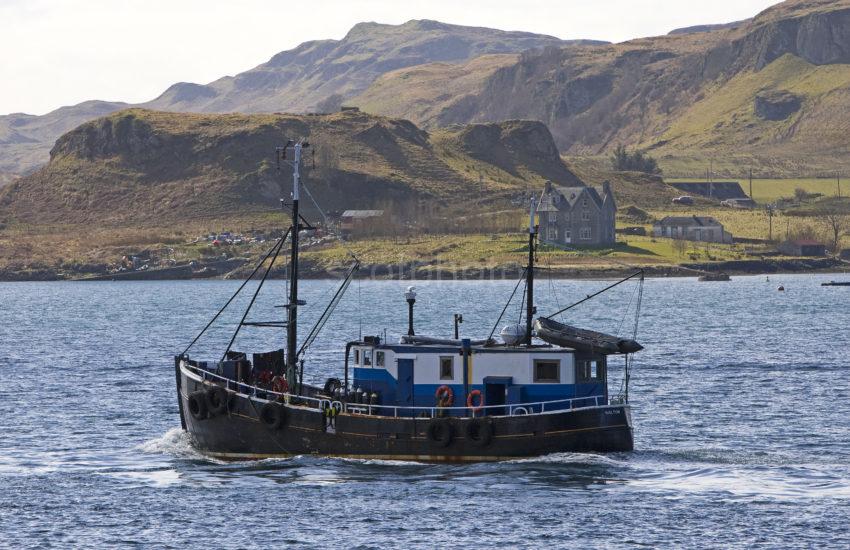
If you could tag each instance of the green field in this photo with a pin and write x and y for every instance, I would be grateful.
(768, 190)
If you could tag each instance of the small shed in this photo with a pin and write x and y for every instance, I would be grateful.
(802, 247)
(359, 221)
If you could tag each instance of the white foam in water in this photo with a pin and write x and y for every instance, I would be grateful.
(749, 483)
(175, 442)
(589, 459)
(156, 478)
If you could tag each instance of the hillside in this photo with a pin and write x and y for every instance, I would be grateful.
(299, 80)
(26, 139)
(141, 167)
(316, 75)
(769, 91)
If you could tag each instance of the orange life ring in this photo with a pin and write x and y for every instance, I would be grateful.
(473, 394)
(445, 396)
(280, 385)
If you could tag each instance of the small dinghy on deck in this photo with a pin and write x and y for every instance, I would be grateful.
(581, 339)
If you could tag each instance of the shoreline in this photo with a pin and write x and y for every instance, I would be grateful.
(402, 272)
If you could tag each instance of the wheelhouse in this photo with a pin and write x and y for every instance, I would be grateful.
(501, 378)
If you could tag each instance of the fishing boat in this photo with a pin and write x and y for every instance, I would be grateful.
(421, 398)
(836, 283)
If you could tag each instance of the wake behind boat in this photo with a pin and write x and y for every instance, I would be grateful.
(422, 398)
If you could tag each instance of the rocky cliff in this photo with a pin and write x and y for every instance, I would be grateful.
(685, 94)
(142, 167)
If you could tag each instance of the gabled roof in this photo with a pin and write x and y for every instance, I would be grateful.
(689, 221)
(573, 194)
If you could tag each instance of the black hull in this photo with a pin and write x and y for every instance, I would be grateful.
(238, 433)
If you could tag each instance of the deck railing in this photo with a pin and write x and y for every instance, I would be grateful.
(516, 409)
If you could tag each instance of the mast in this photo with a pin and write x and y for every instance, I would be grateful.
(292, 306)
(529, 277)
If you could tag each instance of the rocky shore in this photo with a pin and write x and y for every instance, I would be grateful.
(239, 268)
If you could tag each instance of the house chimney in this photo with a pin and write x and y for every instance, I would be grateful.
(606, 187)
(548, 188)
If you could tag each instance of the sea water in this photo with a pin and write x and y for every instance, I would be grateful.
(740, 405)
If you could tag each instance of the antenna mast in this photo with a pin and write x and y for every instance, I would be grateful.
(529, 275)
(294, 302)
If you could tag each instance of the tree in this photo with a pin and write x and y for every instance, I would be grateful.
(837, 224)
(638, 161)
(680, 246)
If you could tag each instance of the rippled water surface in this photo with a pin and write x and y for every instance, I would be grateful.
(740, 404)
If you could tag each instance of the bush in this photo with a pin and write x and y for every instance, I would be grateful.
(636, 161)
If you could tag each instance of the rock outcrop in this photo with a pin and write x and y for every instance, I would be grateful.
(776, 104)
(140, 167)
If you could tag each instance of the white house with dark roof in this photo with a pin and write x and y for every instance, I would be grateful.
(577, 216)
(691, 228)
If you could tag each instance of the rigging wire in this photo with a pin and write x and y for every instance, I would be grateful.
(320, 323)
(327, 223)
(521, 303)
(253, 299)
(595, 294)
(626, 311)
(552, 291)
(238, 290)
(496, 325)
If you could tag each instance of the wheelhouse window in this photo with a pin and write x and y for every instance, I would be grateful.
(590, 370)
(547, 371)
(379, 359)
(447, 368)
(357, 357)
(367, 358)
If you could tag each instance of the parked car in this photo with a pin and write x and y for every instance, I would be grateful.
(684, 200)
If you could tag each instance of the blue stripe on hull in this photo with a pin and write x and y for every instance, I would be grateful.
(382, 382)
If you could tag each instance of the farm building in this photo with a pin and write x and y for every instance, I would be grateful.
(579, 215)
(691, 228)
(361, 222)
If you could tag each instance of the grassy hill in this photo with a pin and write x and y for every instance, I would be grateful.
(141, 179)
(146, 167)
(315, 76)
(771, 92)
(25, 140)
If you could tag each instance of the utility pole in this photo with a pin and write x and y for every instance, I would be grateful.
(751, 183)
(711, 179)
(838, 182)
(770, 222)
